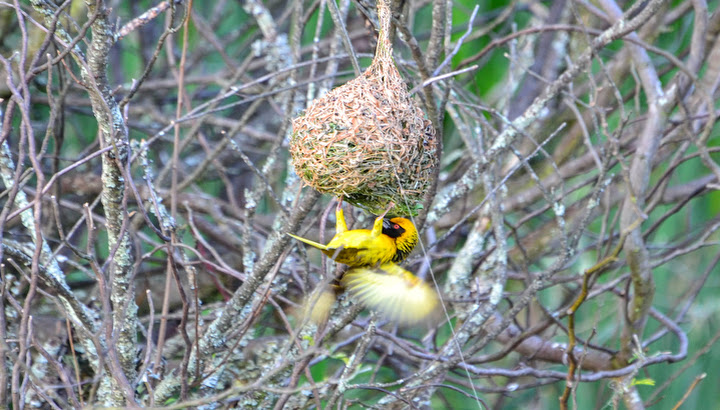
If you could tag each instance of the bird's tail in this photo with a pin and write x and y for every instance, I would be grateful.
(396, 293)
(309, 242)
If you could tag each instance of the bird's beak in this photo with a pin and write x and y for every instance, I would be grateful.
(387, 224)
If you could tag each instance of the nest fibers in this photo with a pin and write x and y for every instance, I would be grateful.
(367, 140)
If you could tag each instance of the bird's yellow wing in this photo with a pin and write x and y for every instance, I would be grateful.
(360, 248)
(318, 305)
(396, 293)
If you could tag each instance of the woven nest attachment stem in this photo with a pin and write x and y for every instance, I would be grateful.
(368, 140)
(384, 47)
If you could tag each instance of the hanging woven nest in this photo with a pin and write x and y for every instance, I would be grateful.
(368, 140)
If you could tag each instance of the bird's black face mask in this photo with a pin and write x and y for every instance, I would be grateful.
(391, 229)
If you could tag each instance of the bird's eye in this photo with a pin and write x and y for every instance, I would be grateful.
(396, 226)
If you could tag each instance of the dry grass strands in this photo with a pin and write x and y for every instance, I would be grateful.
(368, 140)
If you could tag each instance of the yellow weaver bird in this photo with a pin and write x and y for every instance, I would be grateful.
(389, 240)
(395, 293)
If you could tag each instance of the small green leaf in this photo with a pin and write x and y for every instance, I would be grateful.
(643, 382)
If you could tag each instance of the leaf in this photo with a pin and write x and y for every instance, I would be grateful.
(643, 382)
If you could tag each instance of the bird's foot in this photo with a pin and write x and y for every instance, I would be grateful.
(391, 205)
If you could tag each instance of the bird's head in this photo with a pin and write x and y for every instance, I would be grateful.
(404, 233)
